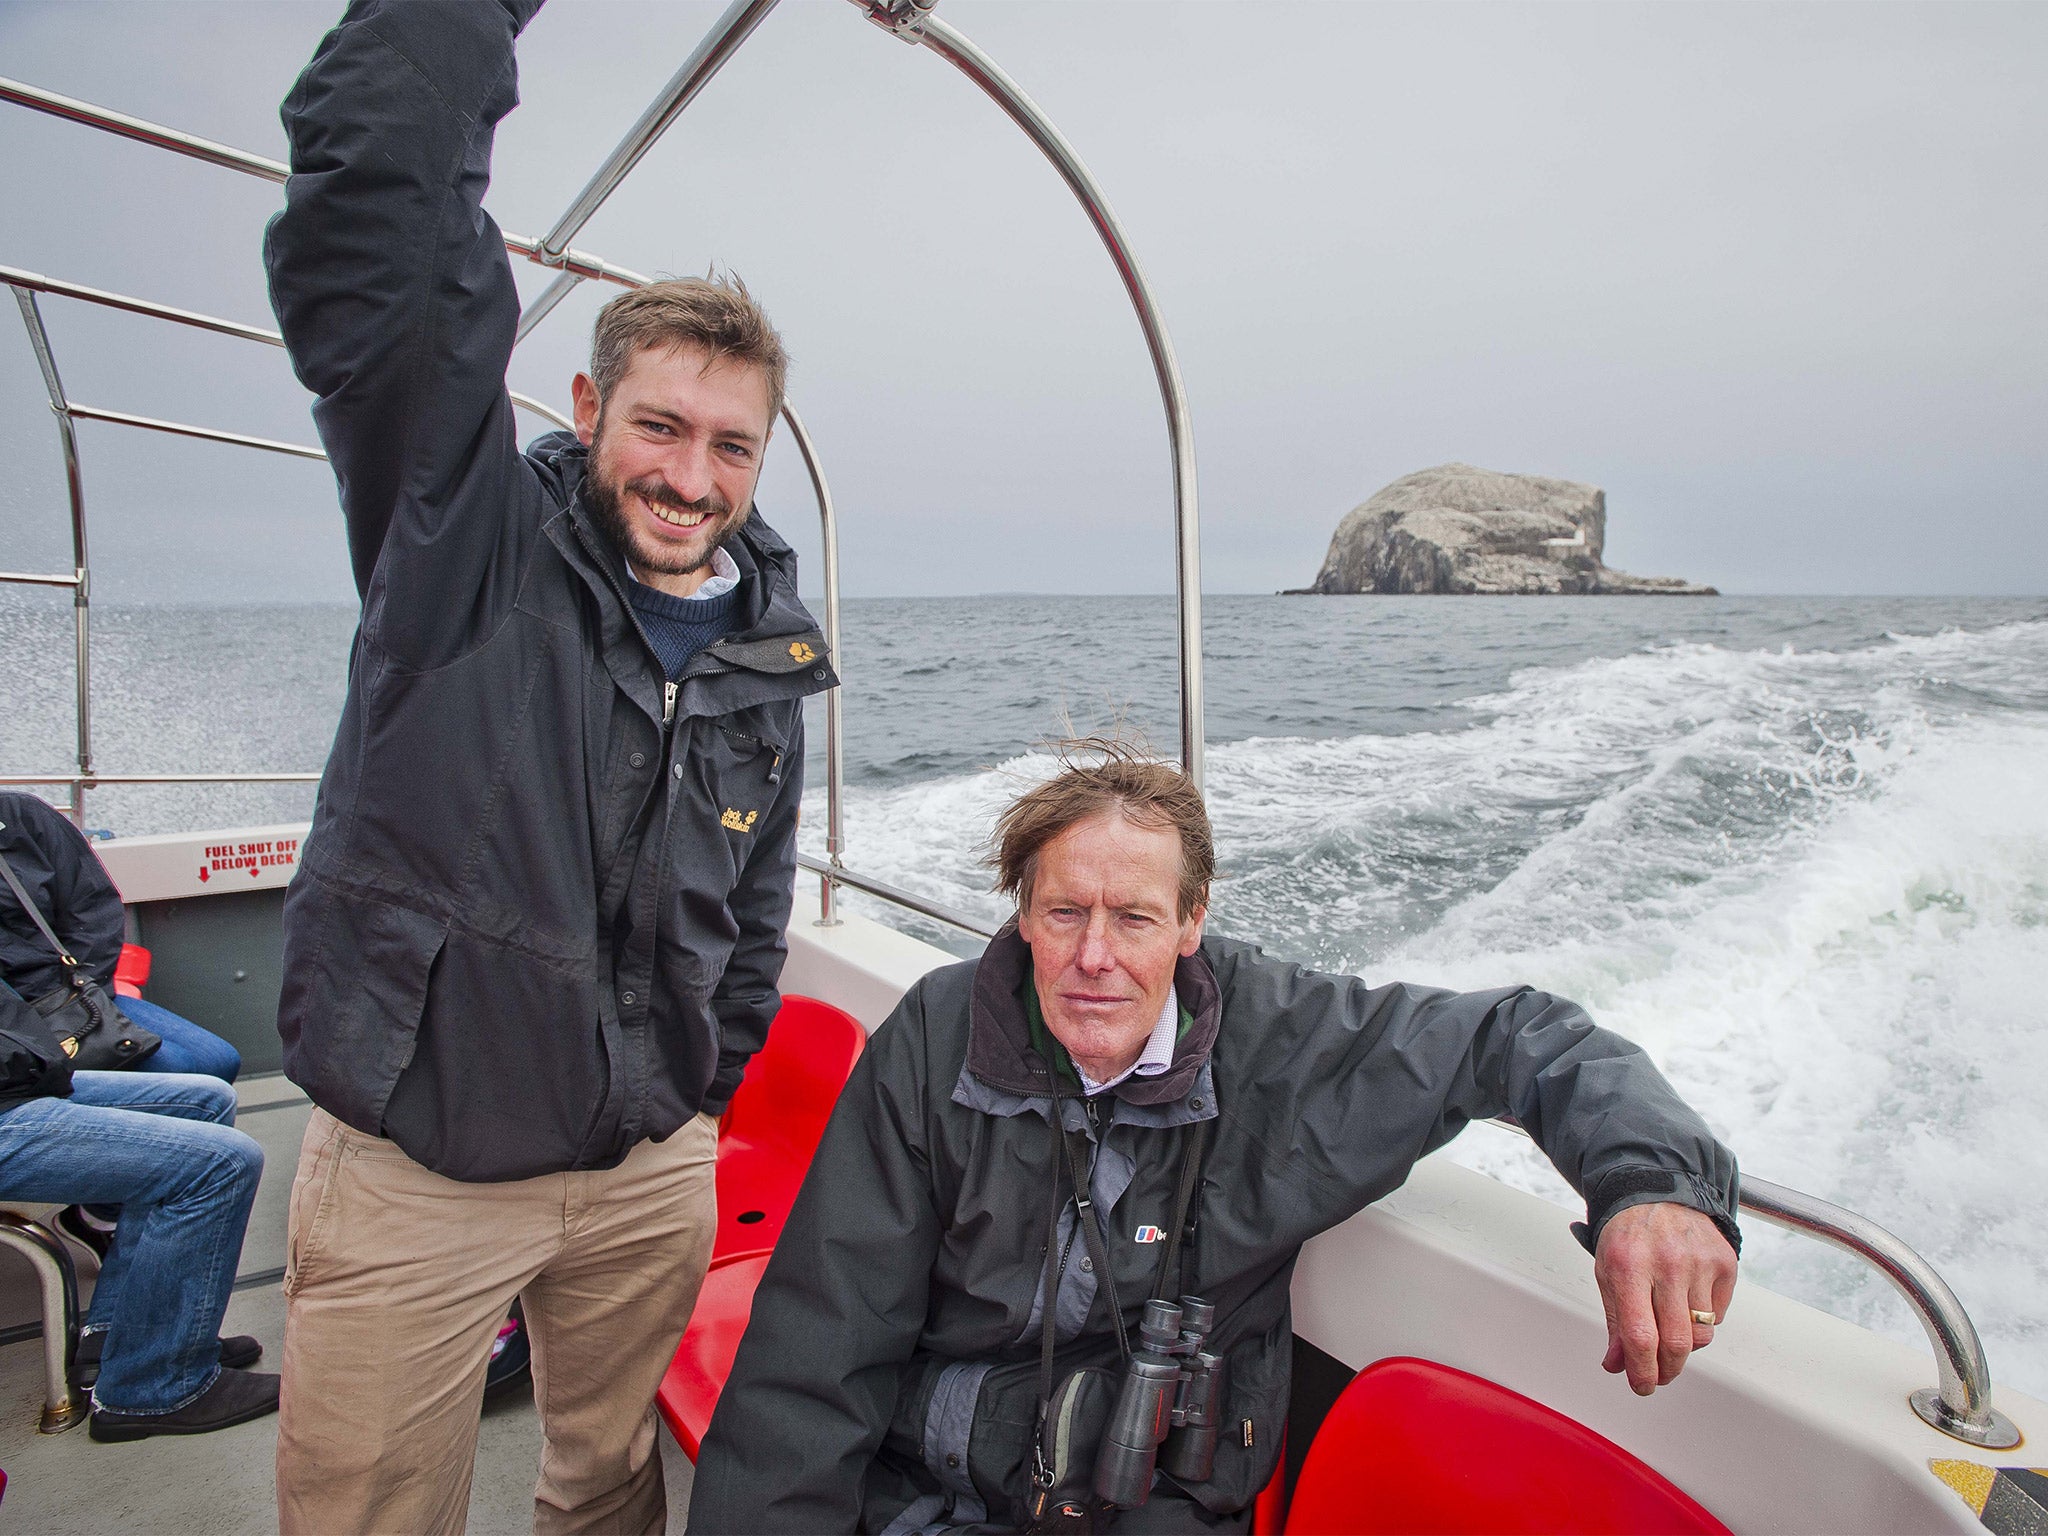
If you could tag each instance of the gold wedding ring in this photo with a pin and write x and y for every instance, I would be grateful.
(1704, 1319)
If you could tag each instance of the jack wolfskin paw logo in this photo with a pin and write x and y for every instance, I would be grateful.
(800, 653)
(733, 821)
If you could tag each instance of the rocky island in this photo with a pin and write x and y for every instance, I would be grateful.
(1459, 529)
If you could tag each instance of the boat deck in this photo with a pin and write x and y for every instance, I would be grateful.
(221, 1484)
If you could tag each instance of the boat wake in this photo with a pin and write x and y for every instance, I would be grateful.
(1813, 885)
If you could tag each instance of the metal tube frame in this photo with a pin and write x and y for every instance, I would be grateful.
(914, 22)
(26, 285)
(81, 579)
(64, 1405)
(1961, 1405)
(834, 874)
(705, 60)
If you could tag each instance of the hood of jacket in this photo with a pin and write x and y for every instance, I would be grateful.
(1002, 1053)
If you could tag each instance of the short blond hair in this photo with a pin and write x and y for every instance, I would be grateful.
(714, 313)
(1098, 776)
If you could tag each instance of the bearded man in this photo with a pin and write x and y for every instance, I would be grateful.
(537, 927)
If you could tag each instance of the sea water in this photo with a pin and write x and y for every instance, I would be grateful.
(1795, 847)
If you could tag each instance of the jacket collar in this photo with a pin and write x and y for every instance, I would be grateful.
(773, 632)
(1000, 1052)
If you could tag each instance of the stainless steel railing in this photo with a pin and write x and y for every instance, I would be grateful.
(914, 22)
(1960, 1405)
(911, 20)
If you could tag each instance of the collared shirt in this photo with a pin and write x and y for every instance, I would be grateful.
(1154, 1059)
(723, 578)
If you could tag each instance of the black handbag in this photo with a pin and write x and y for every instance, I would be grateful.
(89, 1026)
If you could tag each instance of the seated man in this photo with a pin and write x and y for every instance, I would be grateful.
(65, 879)
(57, 866)
(161, 1148)
(895, 1372)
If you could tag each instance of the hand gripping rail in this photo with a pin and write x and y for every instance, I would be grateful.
(1961, 1404)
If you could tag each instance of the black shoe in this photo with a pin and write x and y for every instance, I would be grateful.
(511, 1357)
(237, 1353)
(234, 1398)
(86, 1231)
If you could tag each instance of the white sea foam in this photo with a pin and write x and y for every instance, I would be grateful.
(1814, 885)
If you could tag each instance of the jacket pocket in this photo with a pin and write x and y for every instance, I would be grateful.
(350, 1012)
(1258, 1377)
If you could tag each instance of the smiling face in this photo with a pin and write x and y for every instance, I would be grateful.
(674, 455)
(1104, 928)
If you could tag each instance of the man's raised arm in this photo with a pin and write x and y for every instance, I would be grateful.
(392, 286)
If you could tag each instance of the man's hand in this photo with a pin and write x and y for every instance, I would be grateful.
(1656, 1266)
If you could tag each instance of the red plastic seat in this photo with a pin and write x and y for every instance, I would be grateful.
(689, 1391)
(131, 971)
(1413, 1446)
(772, 1128)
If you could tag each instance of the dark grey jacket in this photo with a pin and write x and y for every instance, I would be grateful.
(891, 1359)
(56, 865)
(539, 917)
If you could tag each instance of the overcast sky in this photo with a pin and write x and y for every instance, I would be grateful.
(1772, 276)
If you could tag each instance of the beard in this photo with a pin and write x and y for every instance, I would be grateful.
(606, 496)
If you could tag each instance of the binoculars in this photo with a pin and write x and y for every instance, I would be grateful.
(1171, 1394)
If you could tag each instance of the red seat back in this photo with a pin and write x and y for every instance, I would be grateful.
(1413, 1446)
(794, 1079)
(131, 971)
(772, 1128)
(689, 1390)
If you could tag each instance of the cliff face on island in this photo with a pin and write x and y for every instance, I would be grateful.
(1459, 529)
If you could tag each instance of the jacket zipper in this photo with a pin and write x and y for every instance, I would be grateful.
(668, 703)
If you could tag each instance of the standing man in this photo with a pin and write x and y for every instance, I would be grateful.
(537, 927)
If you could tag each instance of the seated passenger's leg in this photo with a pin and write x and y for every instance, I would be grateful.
(186, 1047)
(396, 1280)
(160, 1147)
(605, 1318)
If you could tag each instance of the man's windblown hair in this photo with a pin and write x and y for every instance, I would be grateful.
(1099, 775)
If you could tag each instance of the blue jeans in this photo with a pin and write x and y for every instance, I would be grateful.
(161, 1147)
(186, 1047)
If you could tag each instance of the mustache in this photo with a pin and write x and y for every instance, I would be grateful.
(661, 493)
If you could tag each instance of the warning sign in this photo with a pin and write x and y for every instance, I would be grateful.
(249, 858)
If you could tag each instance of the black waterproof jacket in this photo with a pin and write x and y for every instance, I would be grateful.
(891, 1361)
(57, 867)
(539, 916)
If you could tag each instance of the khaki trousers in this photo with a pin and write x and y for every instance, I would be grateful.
(396, 1280)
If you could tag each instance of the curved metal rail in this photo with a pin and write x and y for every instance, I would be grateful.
(64, 1404)
(1961, 1404)
(913, 21)
(26, 286)
(910, 19)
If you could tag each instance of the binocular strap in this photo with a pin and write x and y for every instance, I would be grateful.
(1090, 1222)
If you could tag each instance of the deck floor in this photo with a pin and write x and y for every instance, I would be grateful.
(221, 1484)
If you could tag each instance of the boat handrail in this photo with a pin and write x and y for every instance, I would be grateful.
(911, 20)
(832, 874)
(914, 22)
(26, 286)
(1960, 1406)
